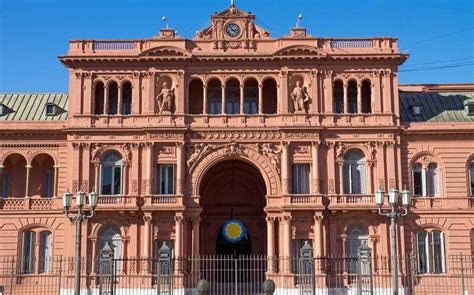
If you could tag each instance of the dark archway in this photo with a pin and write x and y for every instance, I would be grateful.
(233, 189)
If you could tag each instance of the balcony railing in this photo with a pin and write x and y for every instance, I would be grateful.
(352, 43)
(351, 201)
(31, 203)
(113, 45)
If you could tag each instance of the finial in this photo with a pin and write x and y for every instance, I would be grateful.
(300, 17)
(232, 3)
(166, 21)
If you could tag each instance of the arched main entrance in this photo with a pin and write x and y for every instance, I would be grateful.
(233, 189)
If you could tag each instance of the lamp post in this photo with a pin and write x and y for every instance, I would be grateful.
(397, 210)
(79, 217)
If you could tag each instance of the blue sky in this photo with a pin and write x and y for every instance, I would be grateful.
(33, 33)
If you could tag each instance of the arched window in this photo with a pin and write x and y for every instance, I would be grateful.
(251, 97)
(110, 235)
(471, 179)
(433, 180)
(355, 180)
(127, 98)
(352, 96)
(338, 97)
(430, 252)
(113, 99)
(99, 99)
(232, 96)
(269, 96)
(425, 182)
(195, 97)
(356, 236)
(42, 176)
(111, 174)
(214, 97)
(14, 176)
(418, 180)
(366, 97)
(30, 240)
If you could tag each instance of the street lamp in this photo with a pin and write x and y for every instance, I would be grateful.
(79, 217)
(396, 211)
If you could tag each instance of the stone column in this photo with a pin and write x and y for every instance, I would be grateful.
(286, 220)
(147, 235)
(284, 168)
(180, 169)
(346, 99)
(241, 105)
(106, 100)
(196, 236)
(120, 100)
(359, 98)
(55, 185)
(370, 183)
(328, 92)
(149, 169)
(315, 92)
(315, 168)
(341, 177)
(97, 188)
(1, 181)
(178, 218)
(27, 184)
(271, 242)
(125, 179)
(260, 98)
(284, 92)
(179, 99)
(204, 99)
(223, 107)
(318, 239)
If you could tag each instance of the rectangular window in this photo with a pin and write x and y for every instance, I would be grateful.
(48, 184)
(301, 179)
(165, 179)
(45, 252)
(28, 252)
(471, 179)
(106, 178)
(417, 181)
(422, 252)
(5, 184)
(117, 180)
(437, 243)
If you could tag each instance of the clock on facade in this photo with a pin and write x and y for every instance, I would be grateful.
(232, 30)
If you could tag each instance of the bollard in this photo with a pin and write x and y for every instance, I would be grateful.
(268, 287)
(203, 287)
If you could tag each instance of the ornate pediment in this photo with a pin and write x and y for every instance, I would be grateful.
(300, 50)
(232, 25)
(166, 52)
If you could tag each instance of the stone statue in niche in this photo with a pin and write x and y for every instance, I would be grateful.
(165, 99)
(299, 97)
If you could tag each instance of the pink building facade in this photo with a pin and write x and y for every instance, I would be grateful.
(292, 136)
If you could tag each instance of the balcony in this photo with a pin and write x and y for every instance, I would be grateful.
(350, 202)
(105, 203)
(163, 202)
(30, 203)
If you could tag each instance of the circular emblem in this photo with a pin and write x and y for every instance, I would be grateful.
(232, 30)
(233, 231)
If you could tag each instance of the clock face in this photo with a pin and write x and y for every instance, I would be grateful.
(232, 30)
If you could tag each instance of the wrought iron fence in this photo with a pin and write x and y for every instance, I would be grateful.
(233, 275)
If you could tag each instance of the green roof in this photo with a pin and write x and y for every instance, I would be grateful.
(32, 106)
(436, 106)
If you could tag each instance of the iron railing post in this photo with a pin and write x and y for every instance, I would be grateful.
(60, 270)
(462, 276)
(236, 285)
(12, 274)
